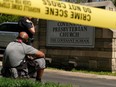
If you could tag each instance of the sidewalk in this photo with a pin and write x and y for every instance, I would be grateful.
(79, 74)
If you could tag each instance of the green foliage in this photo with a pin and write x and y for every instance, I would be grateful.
(8, 82)
(96, 72)
(8, 18)
(114, 1)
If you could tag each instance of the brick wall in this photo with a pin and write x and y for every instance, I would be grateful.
(101, 57)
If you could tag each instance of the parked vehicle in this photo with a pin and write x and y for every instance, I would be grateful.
(8, 32)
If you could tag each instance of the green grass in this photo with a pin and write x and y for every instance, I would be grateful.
(8, 82)
(89, 71)
(95, 72)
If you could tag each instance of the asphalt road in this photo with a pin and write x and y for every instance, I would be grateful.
(79, 79)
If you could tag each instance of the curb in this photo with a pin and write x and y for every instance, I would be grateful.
(79, 74)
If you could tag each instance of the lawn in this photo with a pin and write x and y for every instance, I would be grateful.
(8, 82)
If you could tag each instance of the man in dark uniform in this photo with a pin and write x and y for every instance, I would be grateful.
(26, 25)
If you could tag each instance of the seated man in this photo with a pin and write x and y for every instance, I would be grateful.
(15, 61)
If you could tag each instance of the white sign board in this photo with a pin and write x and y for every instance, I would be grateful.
(63, 34)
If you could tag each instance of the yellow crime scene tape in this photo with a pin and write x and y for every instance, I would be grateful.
(60, 11)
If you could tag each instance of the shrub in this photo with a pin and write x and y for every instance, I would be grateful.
(8, 18)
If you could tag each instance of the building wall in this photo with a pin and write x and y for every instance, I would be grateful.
(101, 57)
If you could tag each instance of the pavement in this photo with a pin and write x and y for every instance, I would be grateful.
(79, 74)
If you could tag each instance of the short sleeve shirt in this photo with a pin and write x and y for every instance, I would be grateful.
(25, 25)
(15, 53)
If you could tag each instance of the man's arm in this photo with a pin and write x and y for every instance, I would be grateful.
(29, 24)
(32, 29)
(40, 54)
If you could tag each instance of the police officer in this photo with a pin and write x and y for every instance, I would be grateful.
(26, 25)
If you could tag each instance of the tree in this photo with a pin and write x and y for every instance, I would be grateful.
(8, 18)
(114, 1)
